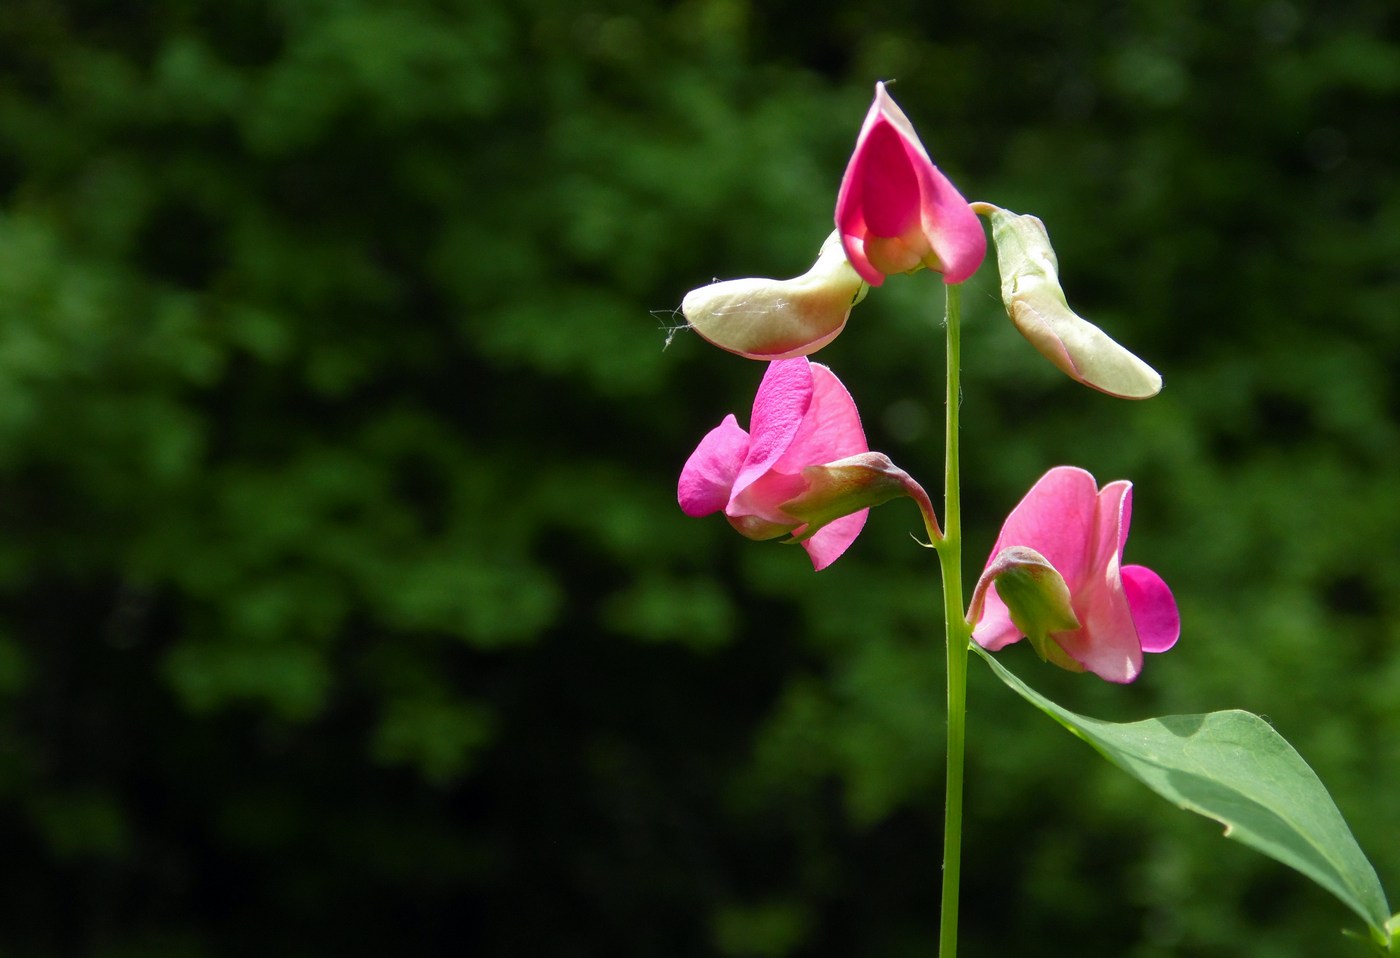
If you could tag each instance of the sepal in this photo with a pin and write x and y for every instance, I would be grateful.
(1037, 598)
(840, 488)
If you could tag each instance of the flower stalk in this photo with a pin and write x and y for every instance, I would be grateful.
(957, 634)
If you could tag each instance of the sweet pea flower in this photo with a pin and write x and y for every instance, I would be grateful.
(805, 470)
(771, 319)
(896, 212)
(1031, 292)
(1055, 575)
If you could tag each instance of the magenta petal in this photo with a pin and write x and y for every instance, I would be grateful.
(891, 191)
(1056, 518)
(886, 184)
(854, 245)
(1153, 608)
(880, 189)
(850, 213)
(830, 429)
(954, 231)
(827, 545)
(1107, 643)
(707, 479)
(778, 410)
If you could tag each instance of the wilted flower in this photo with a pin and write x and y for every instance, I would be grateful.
(778, 318)
(896, 212)
(1055, 575)
(1030, 289)
(805, 470)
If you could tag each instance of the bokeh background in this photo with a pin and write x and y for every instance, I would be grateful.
(346, 605)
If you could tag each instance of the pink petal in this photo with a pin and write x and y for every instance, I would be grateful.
(883, 109)
(889, 180)
(782, 401)
(994, 629)
(867, 189)
(953, 230)
(850, 213)
(827, 545)
(708, 476)
(1056, 519)
(1106, 643)
(1153, 608)
(1115, 510)
(885, 185)
(829, 430)
(764, 497)
(854, 244)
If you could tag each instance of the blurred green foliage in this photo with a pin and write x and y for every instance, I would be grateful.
(346, 607)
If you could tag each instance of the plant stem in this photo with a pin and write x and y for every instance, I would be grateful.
(957, 635)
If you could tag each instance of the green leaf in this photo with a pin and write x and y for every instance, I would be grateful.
(1233, 767)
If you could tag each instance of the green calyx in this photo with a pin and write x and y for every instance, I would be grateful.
(849, 485)
(1038, 600)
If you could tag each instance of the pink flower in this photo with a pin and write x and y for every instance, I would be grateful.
(805, 470)
(896, 211)
(1116, 612)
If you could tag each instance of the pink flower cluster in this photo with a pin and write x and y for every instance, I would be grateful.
(803, 469)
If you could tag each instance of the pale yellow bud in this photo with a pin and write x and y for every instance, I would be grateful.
(779, 318)
(1030, 289)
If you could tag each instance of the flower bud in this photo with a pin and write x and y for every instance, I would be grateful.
(778, 318)
(1030, 289)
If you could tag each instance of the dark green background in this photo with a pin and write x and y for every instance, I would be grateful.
(346, 605)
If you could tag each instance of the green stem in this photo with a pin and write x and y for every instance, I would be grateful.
(957, 635)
